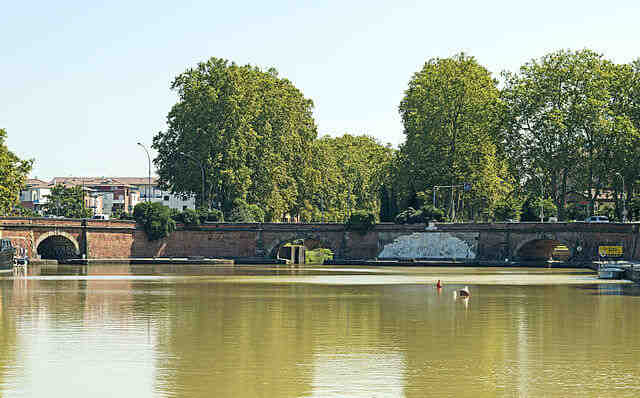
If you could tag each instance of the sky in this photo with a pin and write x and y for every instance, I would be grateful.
(82, 82)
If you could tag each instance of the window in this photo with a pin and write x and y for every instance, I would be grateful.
(166, 198)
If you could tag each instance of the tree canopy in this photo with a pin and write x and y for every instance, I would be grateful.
(568, 124)
(250, 130)
(13, 175)
(554, 136)
(451, 114)
(66, 202)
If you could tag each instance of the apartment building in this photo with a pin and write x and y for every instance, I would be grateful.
(34, 196)
(112, 195)
(155, 194)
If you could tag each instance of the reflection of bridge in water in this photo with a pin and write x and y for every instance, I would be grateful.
(576, 243)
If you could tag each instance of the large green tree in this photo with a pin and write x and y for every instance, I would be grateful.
(66, 202)
(563, 130)
(13, 175)
(451, 114)
(250, 131)
(346, 173)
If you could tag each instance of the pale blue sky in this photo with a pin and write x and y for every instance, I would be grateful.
(83, 81)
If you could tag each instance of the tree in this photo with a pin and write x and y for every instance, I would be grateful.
(561, 123)
(249, 129)
(245, 212)
(66, 202)
(13, 175)
(346, 173)
(361, 221)
(451, 114)
(155, 218)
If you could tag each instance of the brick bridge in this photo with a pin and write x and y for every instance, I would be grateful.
(491, 242)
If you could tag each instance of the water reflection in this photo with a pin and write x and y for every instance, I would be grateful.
(144, 332)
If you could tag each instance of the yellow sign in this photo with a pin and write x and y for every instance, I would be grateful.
(610, 251)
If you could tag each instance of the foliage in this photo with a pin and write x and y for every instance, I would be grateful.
(346, 173)
(190, 218)
(249, 129)
(531, 209)
(609, 211)
(424, 214)
(361, 221)
(508, 209)
(213, 215)
(21, 211)
(13, 175)
(563, 125)
(244, 212)
(451, 115)
(66, 202)
(576, 211)
(155, 219)
(634, 208)
(318, 256)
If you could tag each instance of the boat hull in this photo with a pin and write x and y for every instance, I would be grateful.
(6, 258)
(611, 273)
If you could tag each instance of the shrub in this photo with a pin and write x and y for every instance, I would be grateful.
(155, 219)
(215, 215)
(403, 216)
(244, 212)
(430, 213)
(577, 211)
(361, 221)
(423, 215)
(318, 256)
(190, 218)
(507, 209)
(531, 209)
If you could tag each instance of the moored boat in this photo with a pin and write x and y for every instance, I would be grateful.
(610, 273)
(7, 253)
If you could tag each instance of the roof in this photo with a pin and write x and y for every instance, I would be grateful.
(137, 180)
(89, 181)
(36, 183)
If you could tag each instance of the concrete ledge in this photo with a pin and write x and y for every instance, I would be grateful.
(158, 260)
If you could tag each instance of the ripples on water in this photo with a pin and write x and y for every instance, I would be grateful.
(107, 331)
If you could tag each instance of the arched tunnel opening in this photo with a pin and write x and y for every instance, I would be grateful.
(544, 250)
(304, 251)
(57, 247)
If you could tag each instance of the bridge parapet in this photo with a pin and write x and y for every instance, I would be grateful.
(484, 241)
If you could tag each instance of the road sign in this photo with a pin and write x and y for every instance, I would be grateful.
(610, 251)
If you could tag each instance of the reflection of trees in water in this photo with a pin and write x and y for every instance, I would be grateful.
(8, 335)
(266, 340)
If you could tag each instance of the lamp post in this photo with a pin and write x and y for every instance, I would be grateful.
(624, 205)
(199, 163)
(149, 159)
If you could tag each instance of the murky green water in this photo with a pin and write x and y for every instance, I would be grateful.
(120, 331)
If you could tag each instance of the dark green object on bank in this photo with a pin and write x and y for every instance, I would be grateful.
(361, 221)
(155, 219)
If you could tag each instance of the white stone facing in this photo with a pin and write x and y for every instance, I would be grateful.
(432, 245)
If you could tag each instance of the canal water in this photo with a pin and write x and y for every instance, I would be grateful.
(126, 331)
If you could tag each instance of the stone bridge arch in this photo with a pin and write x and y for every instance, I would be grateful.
(310, 240)
(57, 245)
(544, 247)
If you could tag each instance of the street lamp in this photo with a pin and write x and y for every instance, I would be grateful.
(199, 163)
(624, 205)
(148, 158)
